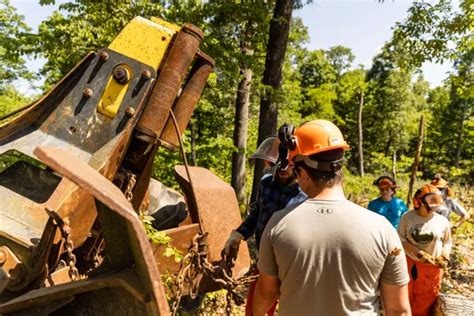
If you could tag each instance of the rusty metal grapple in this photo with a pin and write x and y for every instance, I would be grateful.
(75, 169)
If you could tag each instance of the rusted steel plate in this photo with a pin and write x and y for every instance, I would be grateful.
(33, 111)
(184, 107)
(182, 238)
(108, 194)
(215, 203)
(169, 81)
(67, 117)
(127, 279)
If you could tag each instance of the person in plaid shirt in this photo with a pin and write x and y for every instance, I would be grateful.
(274, 193)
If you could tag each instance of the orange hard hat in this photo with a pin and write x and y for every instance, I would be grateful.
(315, 137)
(385, 182)
(428, 190)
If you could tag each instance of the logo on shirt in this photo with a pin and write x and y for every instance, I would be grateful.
(324, 210)
(421, 234)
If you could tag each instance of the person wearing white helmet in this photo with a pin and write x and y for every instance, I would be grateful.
(275, 192)
(451, 204)
(327, 255)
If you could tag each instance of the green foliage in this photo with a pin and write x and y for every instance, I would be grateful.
(13, 43)
(316, 84)
(316, 69)
(160, 238)
(433, 31)
(83, 26)
(12, 156)
(10, 101)
(319, 103)
(340, 58)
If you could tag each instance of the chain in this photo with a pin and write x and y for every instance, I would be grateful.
(66, 230)
(195, 264)
(131, 181)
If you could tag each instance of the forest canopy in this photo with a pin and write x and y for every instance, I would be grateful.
(391, 95)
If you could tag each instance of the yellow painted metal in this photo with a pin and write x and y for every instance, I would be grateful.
(166, 24)
(112, 97)
(145, 41)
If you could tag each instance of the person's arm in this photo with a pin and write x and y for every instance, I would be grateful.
(457, 208)
(394, 278)
(395, 299)
(447, 243)
(266, 292)
(410, 248)
(249, 224)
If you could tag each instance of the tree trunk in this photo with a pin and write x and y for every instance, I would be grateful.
(241, 129)
(360, 140)
(389, 143)
(460, 136)
(276, 48)
(394, 165)
(417, 159)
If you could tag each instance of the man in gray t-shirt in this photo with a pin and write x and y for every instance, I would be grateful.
(328, 256)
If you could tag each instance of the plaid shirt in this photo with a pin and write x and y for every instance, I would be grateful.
(272, 196)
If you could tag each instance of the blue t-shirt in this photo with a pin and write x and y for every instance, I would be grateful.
(391, 210)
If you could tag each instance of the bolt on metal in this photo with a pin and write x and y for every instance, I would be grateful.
(121, 75)
(103, 56)
(130, 111)
(87, 92)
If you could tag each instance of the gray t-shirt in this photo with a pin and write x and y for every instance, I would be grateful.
(330, 257)
(452, 205)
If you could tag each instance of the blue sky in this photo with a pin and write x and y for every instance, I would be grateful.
(362, 25)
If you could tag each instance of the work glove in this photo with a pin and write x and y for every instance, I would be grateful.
(442, 261)
(425, 257)
(233, 242)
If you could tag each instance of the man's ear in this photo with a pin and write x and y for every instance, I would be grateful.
(303, 174)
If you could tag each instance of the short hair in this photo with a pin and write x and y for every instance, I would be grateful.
(325, 178)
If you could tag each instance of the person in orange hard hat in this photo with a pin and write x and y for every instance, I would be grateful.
(327, 255)
(275, 192)
(387, 204)
(426, 238)
(452, 204)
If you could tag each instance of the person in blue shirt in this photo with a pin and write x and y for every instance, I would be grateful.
(387, 204)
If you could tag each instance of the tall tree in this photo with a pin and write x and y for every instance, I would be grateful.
(237, 28)
(14, 41)
(433, 31)
(272, 75)
(341, 59)
(242, 103)
(360, 139)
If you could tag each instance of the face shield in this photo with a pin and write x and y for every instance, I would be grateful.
(433, 201)
(268, 150)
